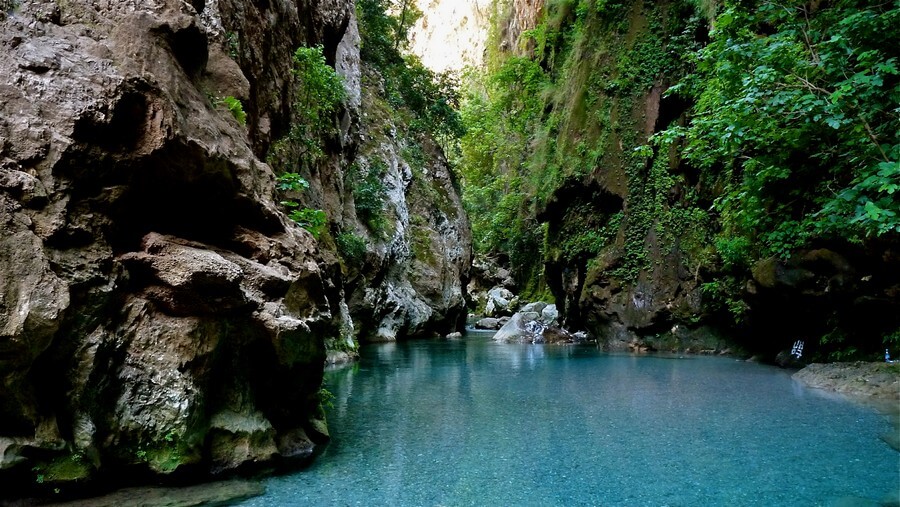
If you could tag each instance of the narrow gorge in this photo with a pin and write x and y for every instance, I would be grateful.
(207, 204)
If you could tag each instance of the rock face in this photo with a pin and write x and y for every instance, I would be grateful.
(618, 258)
(157, 309)
(413, 277)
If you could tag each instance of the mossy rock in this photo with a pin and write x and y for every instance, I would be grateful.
(64, 469)
(166, 459)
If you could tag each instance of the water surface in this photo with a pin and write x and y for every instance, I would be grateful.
(474, 422)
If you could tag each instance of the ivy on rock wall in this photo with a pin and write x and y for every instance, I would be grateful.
(679, 162)
(798, 114)
(797, 121)
(556, 150)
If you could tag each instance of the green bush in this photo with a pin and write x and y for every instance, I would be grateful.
(313, 220)
(319, 92)
(236, 108)
(351, 247)
(370, 195)
(794, 118)
(292, 182)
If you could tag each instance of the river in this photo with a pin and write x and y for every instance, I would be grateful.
(473, 422)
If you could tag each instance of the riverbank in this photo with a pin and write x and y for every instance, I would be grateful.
(878, 382)
(873, 384)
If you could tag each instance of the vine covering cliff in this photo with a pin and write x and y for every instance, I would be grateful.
(160, 313)
(667, 169)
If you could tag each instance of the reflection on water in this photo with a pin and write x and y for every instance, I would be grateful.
(474, 422)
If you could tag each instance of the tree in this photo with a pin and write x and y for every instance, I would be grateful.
(797, 116)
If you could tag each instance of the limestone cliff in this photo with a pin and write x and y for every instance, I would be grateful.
(598, 221)
(158, 310)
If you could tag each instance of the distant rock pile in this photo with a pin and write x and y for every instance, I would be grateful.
(535, 322)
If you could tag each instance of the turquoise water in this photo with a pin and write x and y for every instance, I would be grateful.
(474, 422)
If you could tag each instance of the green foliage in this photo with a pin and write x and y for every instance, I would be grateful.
(431, 97)
(734, 252)
(725, 294)
(325, 397)
(321, 89)
(797, 118)
(319, 93)
(351, 247)
(499, 114)
(236, 108)
(292, 182)
(233, 44)
(584, 239)
(313, 220)
(569, 113)
(370, 194)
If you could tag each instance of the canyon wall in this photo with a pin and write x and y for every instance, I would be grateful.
(579, 124)
(159, 312)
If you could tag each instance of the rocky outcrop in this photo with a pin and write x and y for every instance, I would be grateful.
(150, 286)
(486, 274)
(158, 310)
(412, 279)
(523, 15)
(536, 323)
(500, 302)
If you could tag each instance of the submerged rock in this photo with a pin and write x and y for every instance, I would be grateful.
(209, 495)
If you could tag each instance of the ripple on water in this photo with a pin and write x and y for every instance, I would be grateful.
(474, 422)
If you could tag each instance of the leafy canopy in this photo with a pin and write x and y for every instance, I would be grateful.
(431, 97)
(798, 114)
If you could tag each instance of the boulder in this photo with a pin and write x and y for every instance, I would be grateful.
(550, 314)
(488, 323)
(500, 301)
(529, 327)
(513, 331)
(534, 307)
(530, 316)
